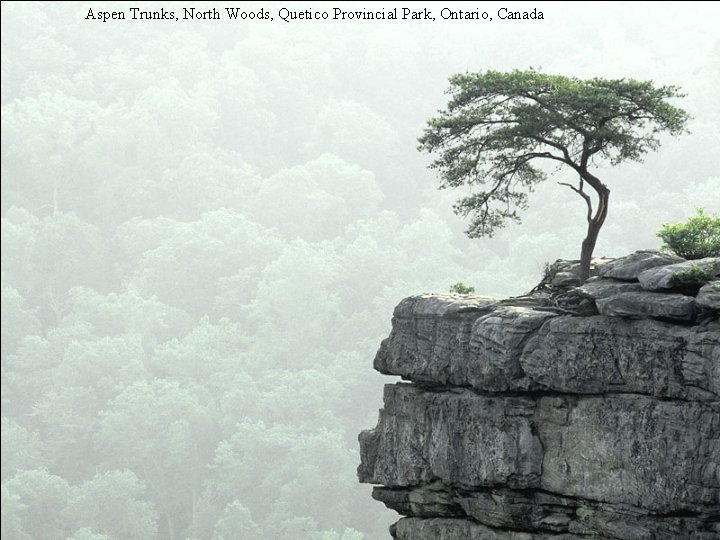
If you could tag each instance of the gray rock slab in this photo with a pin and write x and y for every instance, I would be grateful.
(542, 511)
(593, 355)
(431, 336)
(662, 278)
(709, 296)
(432, 500)
(642, 305)
(497, 348)
(604, 288)
(440, 340)
(582, 300)
(458, 438)
(662, 456)
(629, 267)
(658, 455)
(459, 529)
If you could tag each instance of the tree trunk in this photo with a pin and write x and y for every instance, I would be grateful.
(595, 223)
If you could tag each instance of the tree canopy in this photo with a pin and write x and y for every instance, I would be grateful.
(497, 126)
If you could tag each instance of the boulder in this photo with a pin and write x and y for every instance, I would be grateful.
(563, 274)
(596, 288)
(629, 267)
(709, 296)
(582, 300)
(641, 305)
(662, 278)
(432, 341)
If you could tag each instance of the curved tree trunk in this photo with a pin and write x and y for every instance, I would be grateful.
(595, 223)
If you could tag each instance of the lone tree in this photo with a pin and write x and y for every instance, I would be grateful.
(498, 126)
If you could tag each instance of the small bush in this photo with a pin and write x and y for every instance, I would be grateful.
(696, 239)
(692, 279)
(461, 288)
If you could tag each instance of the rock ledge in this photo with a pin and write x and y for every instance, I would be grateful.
(578, 411)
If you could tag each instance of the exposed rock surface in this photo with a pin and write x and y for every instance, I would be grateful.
(662, 278)
(709, 296)
(641, 305)
(630, 267)
(522, 419)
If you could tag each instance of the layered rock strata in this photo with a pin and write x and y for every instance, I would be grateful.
(590, 411)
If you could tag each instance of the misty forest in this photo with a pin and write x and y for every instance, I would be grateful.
(206, 226)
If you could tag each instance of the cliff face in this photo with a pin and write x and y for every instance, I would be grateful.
(586, 411)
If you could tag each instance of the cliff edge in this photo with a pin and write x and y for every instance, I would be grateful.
(578, 411)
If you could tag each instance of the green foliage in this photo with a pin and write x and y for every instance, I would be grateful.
(11, 518)
(41, 498)
(88, 534)
(113, 504)
(461, 288)
(17, 320)
(692, 279)
(698, 238)
(497, 124)
(236, 522)
(27, 449)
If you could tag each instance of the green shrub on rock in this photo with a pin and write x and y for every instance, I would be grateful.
(696, 239)
(692, 279)
(461, 288)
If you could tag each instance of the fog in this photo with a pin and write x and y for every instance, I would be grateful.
(206, 225)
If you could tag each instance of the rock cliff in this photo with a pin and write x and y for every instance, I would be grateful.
(582, 410)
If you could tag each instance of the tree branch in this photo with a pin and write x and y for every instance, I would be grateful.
(584, 195)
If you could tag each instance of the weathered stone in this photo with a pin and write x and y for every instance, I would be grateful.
(565, 279)
(496, 343)
(564, 274)
(541, 511)
(481, 347)
(596, 288)
(459, 438)
(458, 529)
(581, 300)
(663, 278)
(504, 509)
(663, 456)
(432, 500)
(594, 355)
(709, 296)
(430, 337)
(629, 267)
(511, 349)
(595, 448)
(536, 417)
(641, 305)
